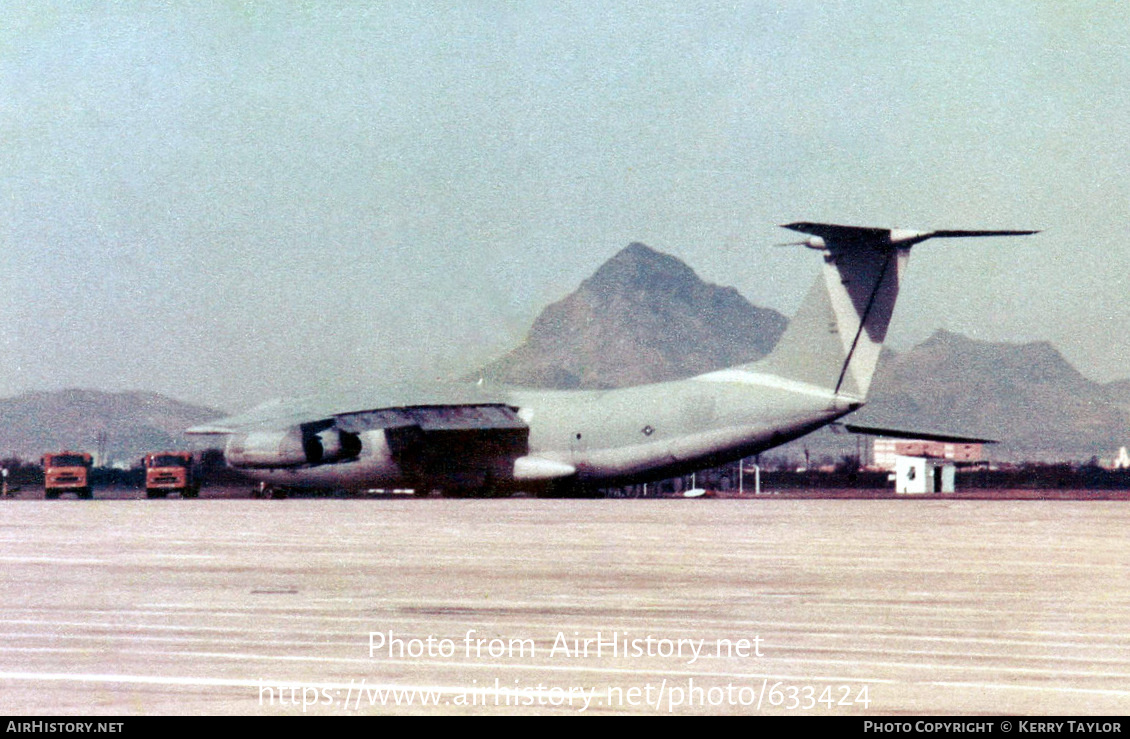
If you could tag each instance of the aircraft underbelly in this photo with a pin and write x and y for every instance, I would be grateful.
(688, 453)
(625, 435)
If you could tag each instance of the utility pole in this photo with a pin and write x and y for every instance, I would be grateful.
(101, 439)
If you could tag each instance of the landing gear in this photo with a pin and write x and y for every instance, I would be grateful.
(569, 488)
(268, 491)
(482, 484)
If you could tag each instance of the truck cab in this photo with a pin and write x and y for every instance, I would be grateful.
(66, 472)
(170, 472)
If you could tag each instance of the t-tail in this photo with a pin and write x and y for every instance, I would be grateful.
(835, 338)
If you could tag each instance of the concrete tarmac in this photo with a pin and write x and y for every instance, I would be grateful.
(795, 607)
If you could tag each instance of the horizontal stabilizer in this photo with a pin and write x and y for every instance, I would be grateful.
(834, 339)
(916, 435)
(829, 233)
(950, 234)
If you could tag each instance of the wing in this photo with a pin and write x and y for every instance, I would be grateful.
(410, 433)
(286, 412)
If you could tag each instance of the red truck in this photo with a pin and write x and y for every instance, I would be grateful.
(66, 472)
(170, 472)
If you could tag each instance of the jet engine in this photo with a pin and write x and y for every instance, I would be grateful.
(312, 443)
(331, 445)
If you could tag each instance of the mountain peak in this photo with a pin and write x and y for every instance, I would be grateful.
(643, 316)
(639, 267)
(1031, 361)
(1025, 394)
(946, 338)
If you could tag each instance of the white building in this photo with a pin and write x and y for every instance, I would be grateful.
(923, 475)
(886, 450)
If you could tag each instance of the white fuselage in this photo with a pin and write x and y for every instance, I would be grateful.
(640, 433)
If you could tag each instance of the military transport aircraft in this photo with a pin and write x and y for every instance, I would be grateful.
(479, 440)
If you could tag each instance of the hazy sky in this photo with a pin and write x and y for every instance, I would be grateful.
(232, 201)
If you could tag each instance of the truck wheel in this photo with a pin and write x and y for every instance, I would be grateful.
(51, 494)
(155, 494)
(86, 494)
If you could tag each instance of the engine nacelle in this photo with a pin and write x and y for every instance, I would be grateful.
(299, 445)
(266, 449)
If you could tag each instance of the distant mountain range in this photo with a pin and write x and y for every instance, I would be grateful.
(129, 424)
(644, 317)
(1026, 395)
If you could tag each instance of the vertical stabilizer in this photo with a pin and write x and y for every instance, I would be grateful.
(835, 338)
